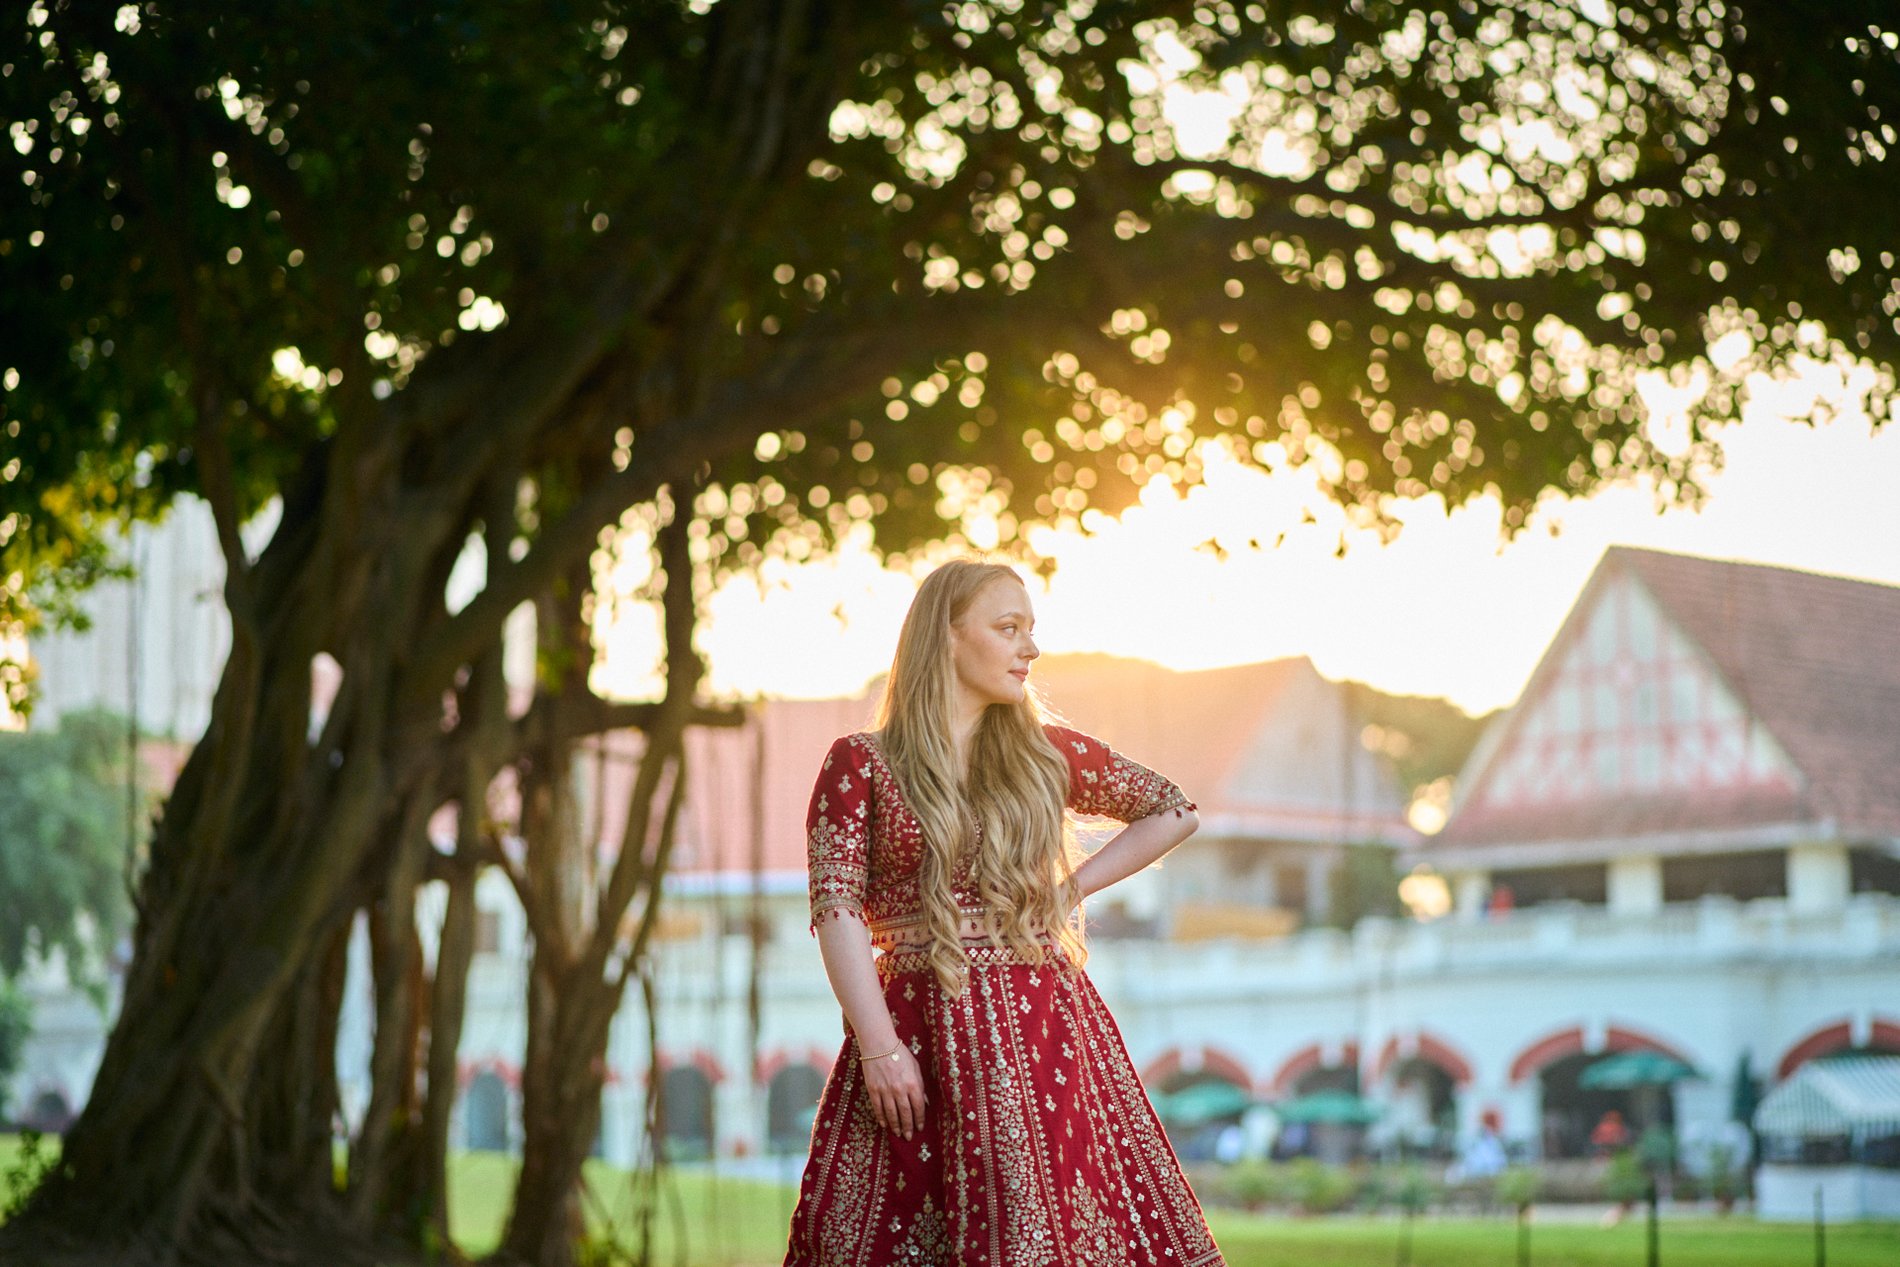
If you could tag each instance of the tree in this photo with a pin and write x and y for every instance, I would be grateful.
(484, 270)
(16, 1025)
(64, 842)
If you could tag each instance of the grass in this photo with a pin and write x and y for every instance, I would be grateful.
(19, 1173)
(717, 1221)
(730, 1222)
(711, 1220)
(1251, 1241)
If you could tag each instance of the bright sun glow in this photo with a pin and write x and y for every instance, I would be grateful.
(1232, 571)
(1249, 566)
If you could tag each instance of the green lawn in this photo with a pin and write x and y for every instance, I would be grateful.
(727, 1222)
(1690, 1242)
(736, 1223)
(722, 1221)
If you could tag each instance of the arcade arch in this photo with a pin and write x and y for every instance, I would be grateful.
(485, 1112)
(1422, 1076)
(1837, 1039)
(686, 1111)
(791, 1100)
(1575, 1120)
(1179, 1068)
(49, 1110)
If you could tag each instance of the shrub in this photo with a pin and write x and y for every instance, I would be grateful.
(1253, 1184)
(1626, 1180)
(1725, 1184)
(36, 1160)
(1319, 1188)
(1413, 1189)
(1517, 1186)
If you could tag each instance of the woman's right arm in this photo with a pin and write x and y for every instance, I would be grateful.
(895, 1081)
(838, 843)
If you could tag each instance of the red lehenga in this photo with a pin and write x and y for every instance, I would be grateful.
(1039, 1146)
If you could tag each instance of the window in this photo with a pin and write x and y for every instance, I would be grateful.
(1605, 766)
(1606, 709)
(1683, 696)
(1646, 764)
(1603, 633)
(1644, 708)
(1568, 701)
(1644, 634)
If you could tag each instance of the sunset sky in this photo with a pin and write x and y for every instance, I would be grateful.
(1446, 610)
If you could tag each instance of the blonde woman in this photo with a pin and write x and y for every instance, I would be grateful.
(983, 1111)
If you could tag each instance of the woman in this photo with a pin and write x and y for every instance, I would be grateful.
(983, 1111)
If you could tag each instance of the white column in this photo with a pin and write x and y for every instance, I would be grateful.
(1470, 891)
(1817, 877)
(1524, 1115)
(1635, 885)
(1321, 866)
(739, 1117)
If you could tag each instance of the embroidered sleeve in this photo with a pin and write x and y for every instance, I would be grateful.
(1103, 781)
(838, 834)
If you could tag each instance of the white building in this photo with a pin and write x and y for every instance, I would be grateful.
(1685, 838)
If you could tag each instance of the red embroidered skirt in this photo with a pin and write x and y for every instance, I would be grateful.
(1039, 1147)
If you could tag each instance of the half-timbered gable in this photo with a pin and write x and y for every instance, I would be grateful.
(1692, 723)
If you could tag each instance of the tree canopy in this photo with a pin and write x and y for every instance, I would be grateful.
(1431, 245)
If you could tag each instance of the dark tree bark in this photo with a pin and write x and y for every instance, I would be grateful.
(588, 938)
(396, 968)
(293, 1102)
(448, 996)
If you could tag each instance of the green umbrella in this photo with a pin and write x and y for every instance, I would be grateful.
(1629, 1069)
(1332, 1105)
(1202, 1102)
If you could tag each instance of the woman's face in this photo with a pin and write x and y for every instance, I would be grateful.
(990, 644)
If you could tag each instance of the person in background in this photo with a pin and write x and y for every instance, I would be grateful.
(1609, 1134)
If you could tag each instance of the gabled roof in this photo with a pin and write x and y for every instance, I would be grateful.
(1191, 726)
(1213, 731)
(1270, 750)
(1815, 660)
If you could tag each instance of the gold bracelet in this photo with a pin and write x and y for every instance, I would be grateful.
(865, 1060)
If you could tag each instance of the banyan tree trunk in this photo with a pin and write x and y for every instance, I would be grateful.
(210, 1114)
(587, 943)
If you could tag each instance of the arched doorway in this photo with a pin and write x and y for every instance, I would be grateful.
(1334, 1141)
(1572, 1113)
(49, 1111)
(791, 1100)
(1198, 1108)
(686, 1109)
(485, 1113)
(1422, 1109)
(1343, 1077)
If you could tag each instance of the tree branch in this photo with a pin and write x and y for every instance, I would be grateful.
(805, 383)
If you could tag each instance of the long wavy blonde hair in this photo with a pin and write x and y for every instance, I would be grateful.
(1023, 869)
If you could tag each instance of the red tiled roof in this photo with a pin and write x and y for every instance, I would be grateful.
(1192, 726)
(1815, 659)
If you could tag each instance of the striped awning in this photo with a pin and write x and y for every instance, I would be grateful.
(1848, 1095)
